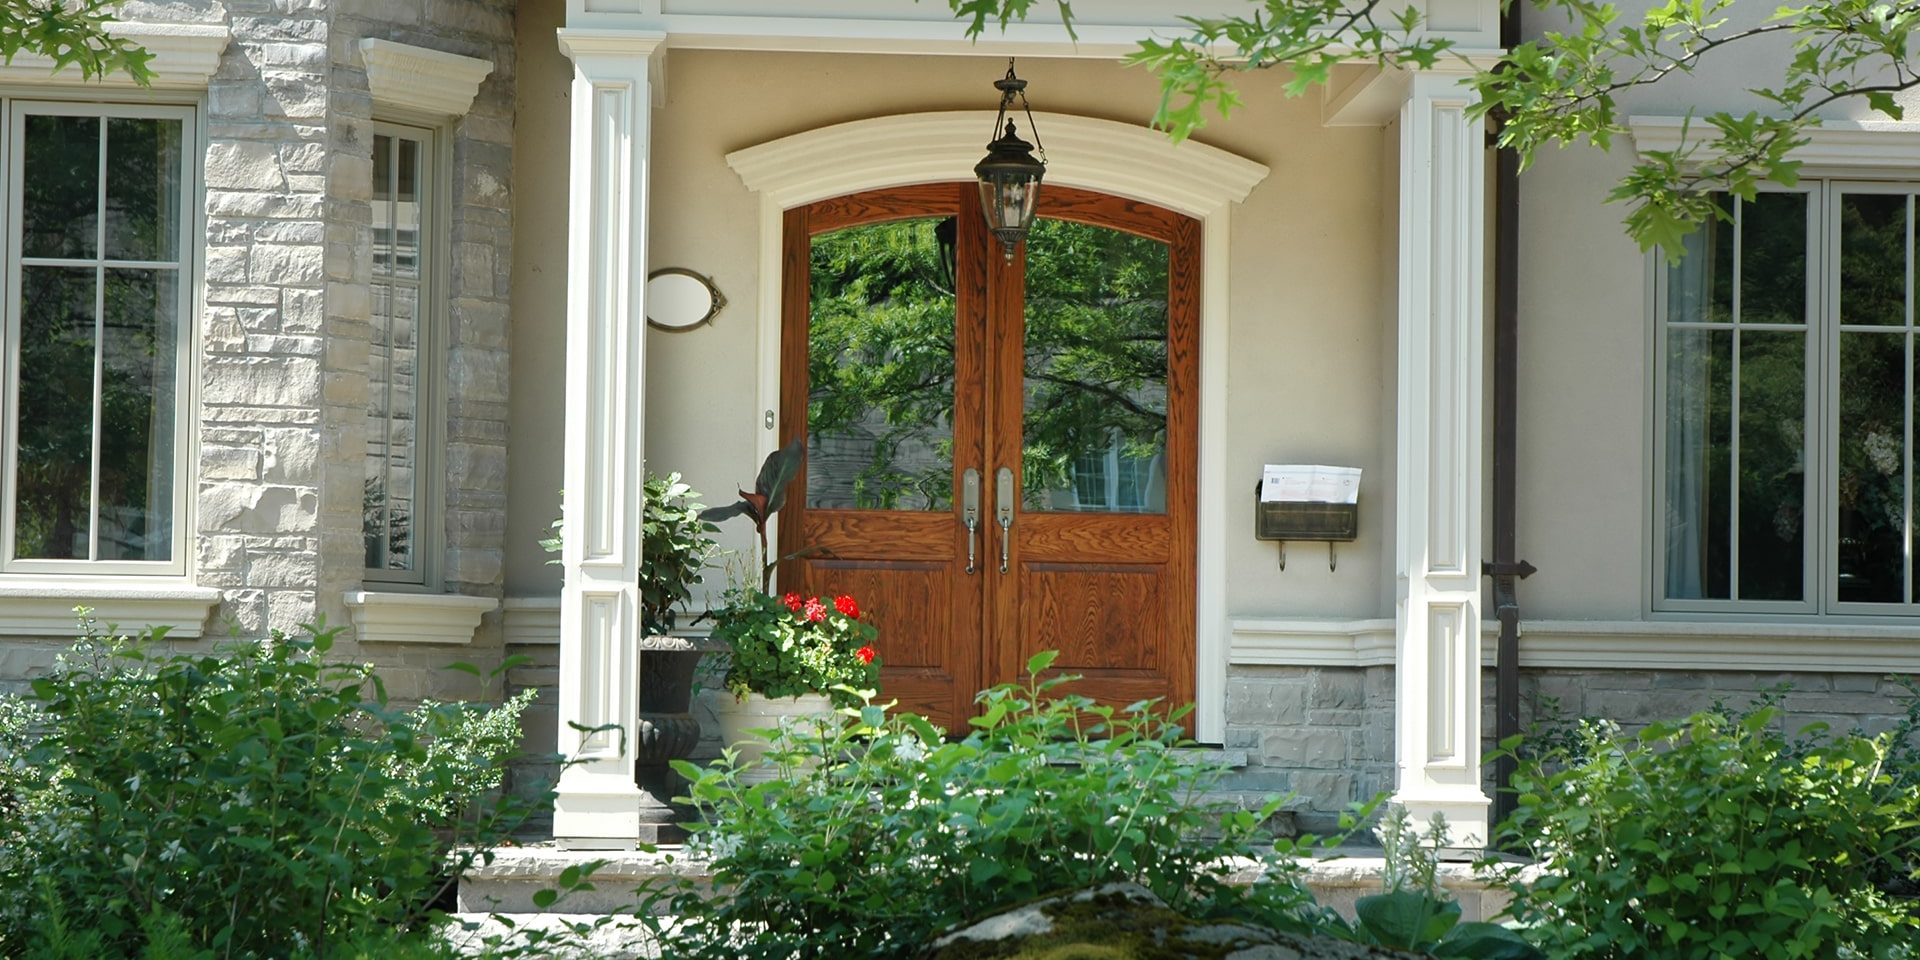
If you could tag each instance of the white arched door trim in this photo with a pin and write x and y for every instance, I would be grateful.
(1123, 159)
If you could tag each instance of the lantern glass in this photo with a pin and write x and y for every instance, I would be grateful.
(1008, 201)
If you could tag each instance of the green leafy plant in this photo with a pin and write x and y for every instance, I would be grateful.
(768, 496)
(1413, 912)
(787, 646)
(675, 547)
(884, 831)
(1718, 836)
(255, 801)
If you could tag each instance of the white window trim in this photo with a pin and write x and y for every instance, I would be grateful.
(395, 617)
(430, 372)
(185, 56)
(419, 83)
(186, 388)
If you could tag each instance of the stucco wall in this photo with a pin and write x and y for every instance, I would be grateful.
(1308, 308)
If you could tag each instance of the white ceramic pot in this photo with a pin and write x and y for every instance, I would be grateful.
(738, 716)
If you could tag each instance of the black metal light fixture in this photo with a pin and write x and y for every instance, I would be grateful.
(1010, 174)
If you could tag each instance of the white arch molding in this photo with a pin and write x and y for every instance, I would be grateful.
(1123, 159)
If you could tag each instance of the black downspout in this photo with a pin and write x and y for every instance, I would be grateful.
(1506, 567)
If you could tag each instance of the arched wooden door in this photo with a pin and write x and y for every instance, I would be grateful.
(1064, 380)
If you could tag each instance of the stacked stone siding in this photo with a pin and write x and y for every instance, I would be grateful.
(284, 325)
(1326, 733)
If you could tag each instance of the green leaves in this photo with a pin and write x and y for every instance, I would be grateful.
(896, 831)
(73, 34)
(1716, 836)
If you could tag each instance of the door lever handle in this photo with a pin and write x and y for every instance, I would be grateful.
(1003, 497)
(970, 510)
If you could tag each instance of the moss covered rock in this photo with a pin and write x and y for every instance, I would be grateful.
(1127, 922)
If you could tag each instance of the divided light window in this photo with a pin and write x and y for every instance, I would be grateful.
(97, 293)
(402, 369)
(1786, 400)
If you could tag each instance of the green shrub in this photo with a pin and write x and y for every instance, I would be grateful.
(257, 801)
(883, 832)
(1716, 837)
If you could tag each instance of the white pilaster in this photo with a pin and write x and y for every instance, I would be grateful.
(1438, 532)
(598, 804)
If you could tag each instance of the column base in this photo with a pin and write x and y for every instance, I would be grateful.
(596, 811)
(1464, 808)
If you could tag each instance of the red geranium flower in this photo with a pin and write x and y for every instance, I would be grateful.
(792, 600)
(845, 604)
(816, 611)
(865, 654)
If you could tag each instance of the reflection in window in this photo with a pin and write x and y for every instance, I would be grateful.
(880, 367)
(396, 376)
(1094, 431)
(94, 432)
(1735, 425)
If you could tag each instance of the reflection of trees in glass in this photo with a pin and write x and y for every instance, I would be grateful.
(881, 364)
(880, 369)
(1871, 495)
(1096, 352)
(137, 336)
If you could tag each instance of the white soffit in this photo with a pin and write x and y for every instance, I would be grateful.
(417, 617)
(405, 77)
(1837, 145)
(1120, 158)
(185, 55)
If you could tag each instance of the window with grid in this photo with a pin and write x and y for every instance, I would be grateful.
(1786, 397)
(96, 340)
(402, 370)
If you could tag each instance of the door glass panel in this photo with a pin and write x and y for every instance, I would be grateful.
(1094, 431)
(880, 367)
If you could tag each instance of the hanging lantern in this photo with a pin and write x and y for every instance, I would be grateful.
(1010, 174)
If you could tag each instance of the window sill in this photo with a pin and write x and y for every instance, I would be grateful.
(44, 608)
(394, 617)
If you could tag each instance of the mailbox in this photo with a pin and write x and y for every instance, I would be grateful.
(1307, 502)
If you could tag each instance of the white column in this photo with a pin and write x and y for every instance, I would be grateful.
(1437, 522)
(598, 804)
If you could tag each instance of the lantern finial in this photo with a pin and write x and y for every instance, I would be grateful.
(1010, 174)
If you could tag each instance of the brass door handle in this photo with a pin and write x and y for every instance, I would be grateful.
(1003, 497)
(970, 510)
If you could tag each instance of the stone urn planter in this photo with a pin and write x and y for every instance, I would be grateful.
(737, 716)
(668, 731)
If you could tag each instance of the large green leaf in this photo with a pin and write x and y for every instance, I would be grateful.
(1485, 941)
(1406, 919)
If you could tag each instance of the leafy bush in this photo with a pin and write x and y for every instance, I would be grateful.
(674, 549)
(788, 646)
(1716, 837)
(257, 801)
(883, 832)
(1414, 913)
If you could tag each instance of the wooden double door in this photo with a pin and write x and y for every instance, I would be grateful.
(1001, 450)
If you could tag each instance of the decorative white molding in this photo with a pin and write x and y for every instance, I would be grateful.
(1439, 450)
(1835, 146)
(418, 80)
(45, 608)
(396, 617)
(1603, 645)
(1192, 178)
(1119, 158)
(185, 56)
(530, 621)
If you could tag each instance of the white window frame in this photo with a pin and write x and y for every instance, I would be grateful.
(191, 240)
(429, 524)
(1823, 328)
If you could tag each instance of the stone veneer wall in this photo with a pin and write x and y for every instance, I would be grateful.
(1326, 733)
(284, 325)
